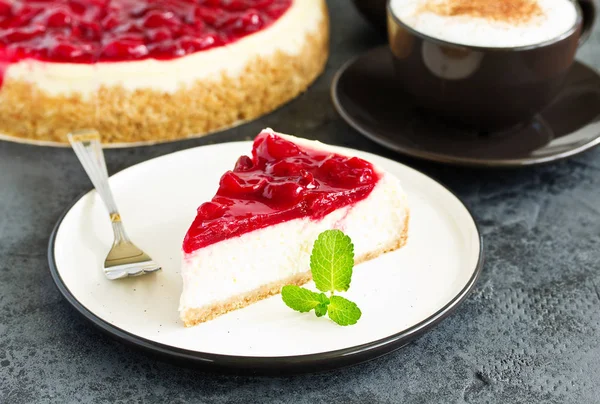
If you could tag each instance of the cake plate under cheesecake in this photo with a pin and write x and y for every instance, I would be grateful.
(143, 71)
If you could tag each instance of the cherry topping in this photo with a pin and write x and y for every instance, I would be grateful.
(12, 35)
(157, 19)
(250, 21)
(283, 193)
(282, 181)
(190, 44)
(275, 148)
(235, 185)
(4, 8)
(78, 7)
(307, 180)
(210, 16)
(347, 172)
(285, 168)
(235, 5)
(89, 31)
(211, 210)
(125, 48)
(57, 18)
(69, 52)
(244, 163)
(158, 35)
(110, 22)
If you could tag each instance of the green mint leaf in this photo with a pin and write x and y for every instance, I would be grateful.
(331, 265)
(303, 300)
(332, 260)
(321, 309)
(343, 311)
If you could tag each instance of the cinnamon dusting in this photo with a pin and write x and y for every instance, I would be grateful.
(511, 11)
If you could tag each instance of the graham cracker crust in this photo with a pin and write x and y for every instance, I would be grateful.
(196, 316)
(145, 115)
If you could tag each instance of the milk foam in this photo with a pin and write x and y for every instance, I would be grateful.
(556, 18)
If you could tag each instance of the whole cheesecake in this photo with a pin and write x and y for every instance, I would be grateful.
(150, 70)
(256, 234)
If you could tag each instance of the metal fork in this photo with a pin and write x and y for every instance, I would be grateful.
(124, 258)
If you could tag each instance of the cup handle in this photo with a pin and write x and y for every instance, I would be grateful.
(588, 9)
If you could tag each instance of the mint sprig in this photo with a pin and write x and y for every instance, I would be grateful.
(303, 300)
(343, 311)
(331, 263)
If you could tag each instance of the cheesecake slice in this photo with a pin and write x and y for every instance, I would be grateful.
(256, 234)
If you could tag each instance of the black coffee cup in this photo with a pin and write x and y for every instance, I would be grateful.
(484, 88)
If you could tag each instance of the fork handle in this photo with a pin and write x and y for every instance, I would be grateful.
(88, 149)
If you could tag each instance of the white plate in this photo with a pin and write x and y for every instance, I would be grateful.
(401, 294)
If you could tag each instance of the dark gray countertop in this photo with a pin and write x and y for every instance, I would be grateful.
(529, 333)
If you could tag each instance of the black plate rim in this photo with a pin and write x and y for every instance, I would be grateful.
(270, 366)
(440, 157)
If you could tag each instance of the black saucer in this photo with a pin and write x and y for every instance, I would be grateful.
(363, 93)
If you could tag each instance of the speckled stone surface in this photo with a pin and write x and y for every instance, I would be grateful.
(529, 333)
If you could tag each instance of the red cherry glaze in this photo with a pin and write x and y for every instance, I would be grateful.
(91, 31)
(282, 181)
